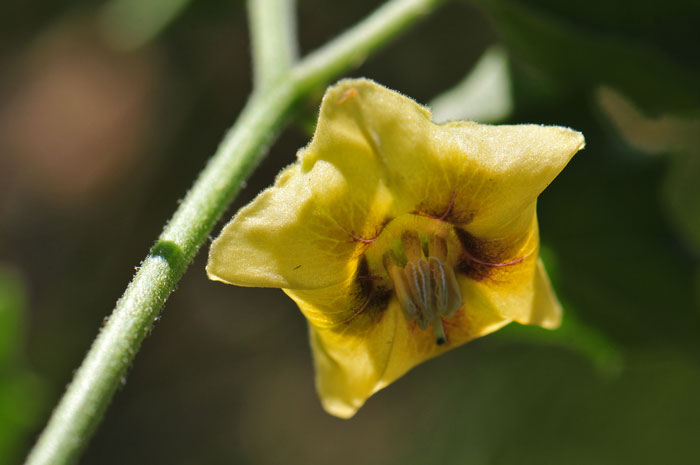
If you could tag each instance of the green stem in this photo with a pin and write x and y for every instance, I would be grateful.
(87, 397)
(130, 24)
(273, 39)
(353, 46)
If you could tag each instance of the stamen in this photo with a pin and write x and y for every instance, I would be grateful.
(439, 331)
(409, 308)
(411, 246)
(428, 300)
(438, 248)
(389, 260)
(399, 278)
(437, 270)
(427, 290)
(415, 283)
(418, 288)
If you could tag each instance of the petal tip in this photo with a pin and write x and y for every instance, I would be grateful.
(212, 274)
(578, 141)
(338, 409)
(547, 310)
(348, 89)
(552, 320)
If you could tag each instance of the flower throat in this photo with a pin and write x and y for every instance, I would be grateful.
(425, 285)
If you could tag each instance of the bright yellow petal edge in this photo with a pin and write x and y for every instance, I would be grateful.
(399, 239)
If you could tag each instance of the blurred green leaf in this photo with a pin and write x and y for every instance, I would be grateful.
(655, 135)
(619, 262)
(22, 395)
(483, 96)
(574, 49)
(12, 304)
(539, 406)
(682, 195)
(22, 404)
(130, 24)
(573, 334)
(670, 135)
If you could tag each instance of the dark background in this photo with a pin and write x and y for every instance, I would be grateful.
(97, 146)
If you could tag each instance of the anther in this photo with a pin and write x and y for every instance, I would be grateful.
(427, 289)
(439, 277)
(411, 246)
(438, 248)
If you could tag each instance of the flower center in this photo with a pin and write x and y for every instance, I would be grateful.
(425, 285)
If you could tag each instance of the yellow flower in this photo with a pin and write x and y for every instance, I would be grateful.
(399, 239)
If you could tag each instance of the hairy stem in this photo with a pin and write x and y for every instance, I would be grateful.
(87, 397)
(273, 39)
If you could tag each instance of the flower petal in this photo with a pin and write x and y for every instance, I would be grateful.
(378, 122)
(304, 232)
(480, 176)
(509, 167)
(377, 162)
(512, 275)
(546, 309)
(354, 361)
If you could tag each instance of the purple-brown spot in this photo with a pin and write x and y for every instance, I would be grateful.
(371, 297)
(481, 259)
(448, 214)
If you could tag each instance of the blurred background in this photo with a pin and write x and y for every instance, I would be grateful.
(109, 110)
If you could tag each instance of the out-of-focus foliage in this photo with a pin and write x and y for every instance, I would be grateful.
(129, 24)
(679, 139)
(641, 48)
(225, 377)
(484, 95)
(682, 195)
(22, 395)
